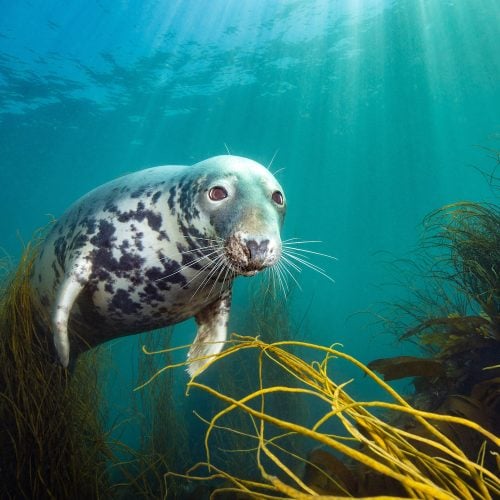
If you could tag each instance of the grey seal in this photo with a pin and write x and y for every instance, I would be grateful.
(154, 248)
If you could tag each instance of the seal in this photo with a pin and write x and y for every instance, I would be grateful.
(154, 248)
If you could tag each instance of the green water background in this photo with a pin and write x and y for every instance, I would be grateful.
(377, 112)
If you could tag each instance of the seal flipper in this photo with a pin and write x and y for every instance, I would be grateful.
(68, 292)
(212, 331)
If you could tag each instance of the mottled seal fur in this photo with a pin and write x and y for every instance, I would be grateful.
(154, 248)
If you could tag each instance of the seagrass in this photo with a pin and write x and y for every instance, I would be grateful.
(51, 440)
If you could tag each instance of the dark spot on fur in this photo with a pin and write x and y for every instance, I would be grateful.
(151, 294)
(121, 300)
(137, 192)
(60, 250)
(110, 206)
(163, 236)
(57, 274)
(103, 259)
(90, 223)
(79, 241)
(141, 213)
(156, 196)
(125, 244)
(105, 237)
(171, 199)
(154, 221)
(138, 241)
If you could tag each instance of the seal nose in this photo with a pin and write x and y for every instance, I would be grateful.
(257, 251)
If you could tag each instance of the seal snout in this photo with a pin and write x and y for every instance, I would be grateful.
(249, 255)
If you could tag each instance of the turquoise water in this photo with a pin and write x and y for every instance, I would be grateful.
(377, 111)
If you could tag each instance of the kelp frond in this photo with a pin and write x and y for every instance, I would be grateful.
(422, 460)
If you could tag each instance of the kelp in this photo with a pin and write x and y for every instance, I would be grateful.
(455, 315)
(406, 366)
(51, 441)
(369, 457)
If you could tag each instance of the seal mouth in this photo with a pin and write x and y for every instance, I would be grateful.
(248, 257)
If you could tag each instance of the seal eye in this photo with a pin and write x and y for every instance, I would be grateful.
(277, 198)
(217, 193)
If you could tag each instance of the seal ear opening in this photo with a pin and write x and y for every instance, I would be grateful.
(44, 413)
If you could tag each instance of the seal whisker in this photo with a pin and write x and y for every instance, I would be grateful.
(285, 262)
(274, 280)
(221, 266)
(292, 264)
(302, 259)
(217, 264)
(268, 281)
(310, 265)
(213, 263)
(228, 272)
(274, 275)
(200, 249)
(303, 250)
(201, 271)
(297, 241)
(206, 280)
(185, 266)
(271, 162)
(277, 281)
(282, 278)
(194, 250)
(204, 238)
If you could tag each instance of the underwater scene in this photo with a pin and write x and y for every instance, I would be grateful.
(249, 249)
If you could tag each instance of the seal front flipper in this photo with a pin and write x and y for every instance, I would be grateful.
(68, 292)
(212, 330)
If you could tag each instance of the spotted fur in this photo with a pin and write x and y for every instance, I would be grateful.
(137, 254)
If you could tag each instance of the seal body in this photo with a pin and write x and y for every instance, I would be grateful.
(154, 248)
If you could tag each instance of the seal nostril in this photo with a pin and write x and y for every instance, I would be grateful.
(253, 249)
(257, 251)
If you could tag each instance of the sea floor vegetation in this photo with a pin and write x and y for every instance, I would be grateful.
(366, 456)
(51, 441)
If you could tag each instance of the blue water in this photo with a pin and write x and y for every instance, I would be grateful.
(377, 112)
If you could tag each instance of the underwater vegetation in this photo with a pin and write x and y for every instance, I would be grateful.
(456, 322)
(51, 440)
(372, 456)
(280, 425)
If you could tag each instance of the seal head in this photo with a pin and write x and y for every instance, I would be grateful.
(244, 208)
(153, 248)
